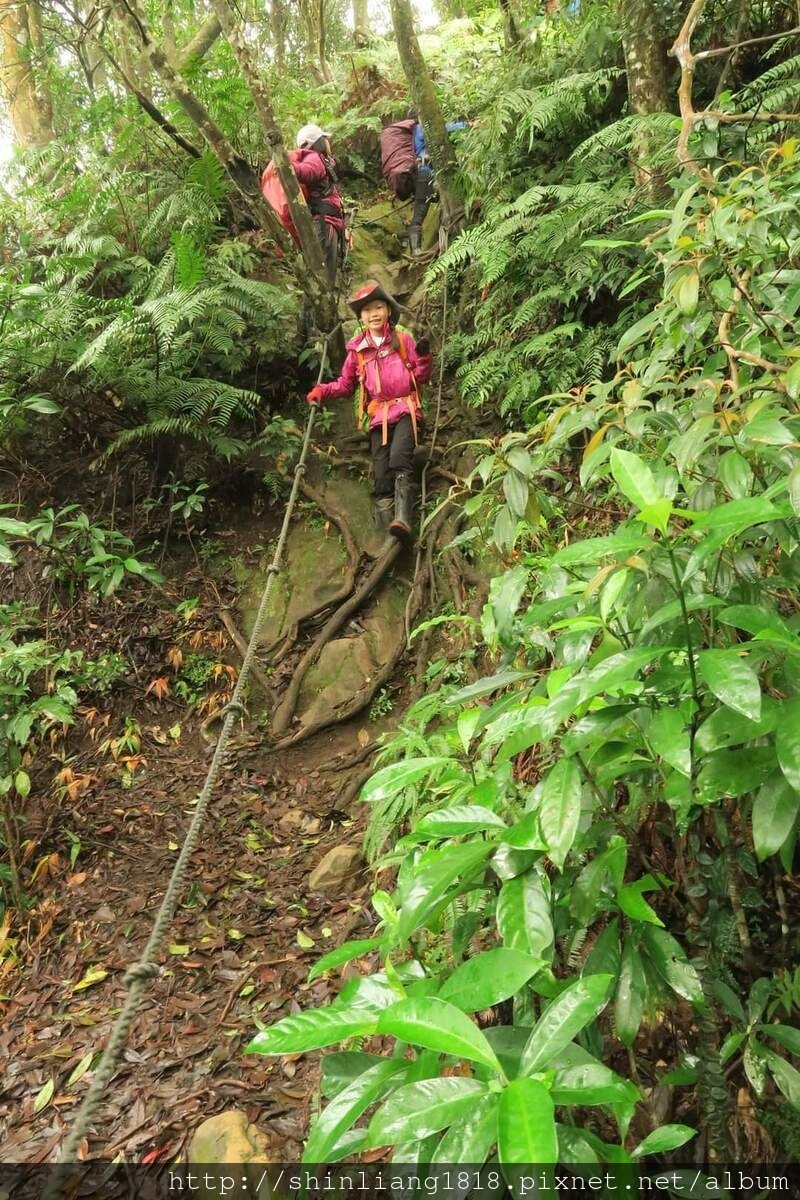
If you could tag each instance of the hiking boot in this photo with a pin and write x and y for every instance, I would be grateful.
(401, 526)
(383, 513)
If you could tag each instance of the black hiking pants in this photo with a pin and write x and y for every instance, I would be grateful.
(329, 241)
(424, 192)
(396, 458)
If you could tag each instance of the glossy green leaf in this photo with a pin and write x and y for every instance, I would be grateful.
(523, 916)
(439, 1026)
(785, 1075)
(472, 1139)
(560, 808)
(669, 737)
(775, 812)
(664, 1139)
(526, 1127)
(726, 728)
(669, 959)
(431, 881)
(459, 819)
(343, 954)
(393, 779)
(632, 902)
(591, 1084)
(731, 680)
(563, 1019)
(786, 1035)
(313, 1029)
(631, 996)
(489, 978)
(634, 478)
(787, 742)
(417, 1110)
(686, 292)
(324, 1139)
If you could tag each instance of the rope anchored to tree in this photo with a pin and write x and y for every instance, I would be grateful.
(139, 974)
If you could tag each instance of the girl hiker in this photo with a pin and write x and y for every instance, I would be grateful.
(388, 367)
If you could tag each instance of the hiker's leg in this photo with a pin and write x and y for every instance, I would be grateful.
(423, 191)
(401, 448)
(329, 241)
(384, 479)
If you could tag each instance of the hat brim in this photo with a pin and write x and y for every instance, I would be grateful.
(377, 293)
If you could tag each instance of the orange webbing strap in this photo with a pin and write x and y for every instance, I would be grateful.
(362, 388)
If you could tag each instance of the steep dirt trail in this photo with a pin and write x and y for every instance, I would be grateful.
(244, 938)
(246, 933)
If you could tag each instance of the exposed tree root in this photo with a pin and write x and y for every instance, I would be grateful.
(284, 713)
(241, 645)
(345, 762)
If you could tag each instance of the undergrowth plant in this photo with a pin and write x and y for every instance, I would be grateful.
(590, 835)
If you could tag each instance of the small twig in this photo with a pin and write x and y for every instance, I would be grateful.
(233, 993)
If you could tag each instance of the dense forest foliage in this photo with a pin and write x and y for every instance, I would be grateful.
(584, 824)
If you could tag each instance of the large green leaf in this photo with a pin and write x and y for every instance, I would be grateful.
(631, 996)
(324, 1140)
(417, 1110)
(591, 1084)
(314, 1029)
(438, 1026)
(785, 1075)
(562, 1020)
(429, 885)
(472, 1138)
(457, 820)
(606, 676)
(775, 811)
(560, 808)
(731, 680)
(787, 742)
(669, 737)
(489, 978)
(664, 1139)
(343, 954)
(726, 728)
(669, 959)
(526, 1127)
(634, 478)
(523, 916)
(392, 779)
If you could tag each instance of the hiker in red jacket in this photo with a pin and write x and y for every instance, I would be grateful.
(388, 367)
(315, 169)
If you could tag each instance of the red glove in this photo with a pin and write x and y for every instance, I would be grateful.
(316, 395)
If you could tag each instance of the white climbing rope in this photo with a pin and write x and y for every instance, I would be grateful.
(139, 974)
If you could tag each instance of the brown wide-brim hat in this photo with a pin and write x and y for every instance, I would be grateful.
(372, 290)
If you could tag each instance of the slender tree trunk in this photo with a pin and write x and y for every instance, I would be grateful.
(200, 44)
(23, 86)
(309, 244)
(278, 24)
(511, 30)
(420, 86)
(241, 173)
(645, 57)
(361, 30)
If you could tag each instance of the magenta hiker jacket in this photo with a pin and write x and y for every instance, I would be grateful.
(387, 376)
(309, 167)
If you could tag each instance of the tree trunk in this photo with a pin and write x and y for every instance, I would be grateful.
(645, 57)
(361, 31)
(241, 173)
(200, 44)
(420, 86)
(312, 252)
(511, 31)
(278, 24)
(23, 86)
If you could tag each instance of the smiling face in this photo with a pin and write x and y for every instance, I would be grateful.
(375, 315)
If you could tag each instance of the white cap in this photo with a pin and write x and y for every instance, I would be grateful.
(310, 134)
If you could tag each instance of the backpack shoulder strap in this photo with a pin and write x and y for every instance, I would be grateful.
(361, 371)
(402, 350)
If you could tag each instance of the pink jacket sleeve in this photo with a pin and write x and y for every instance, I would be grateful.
(309, 169)
(345, 385)
(421, 364)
